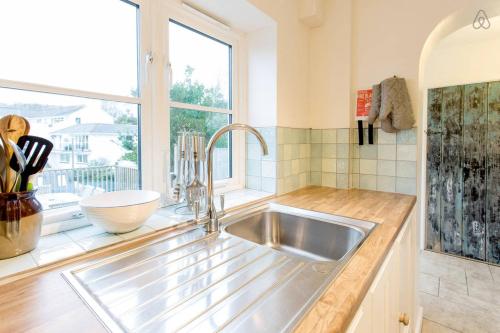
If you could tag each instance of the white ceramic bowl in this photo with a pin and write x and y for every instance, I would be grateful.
(120, 211)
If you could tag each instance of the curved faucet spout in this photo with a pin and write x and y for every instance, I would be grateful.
(213, 223)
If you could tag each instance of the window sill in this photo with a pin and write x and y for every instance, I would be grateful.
(67, 244)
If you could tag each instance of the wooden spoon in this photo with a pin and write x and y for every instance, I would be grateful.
(3, 167)
(18, 126)
(12, 127)
(4, 130)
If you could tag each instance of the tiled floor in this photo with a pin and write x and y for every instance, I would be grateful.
(458, 295)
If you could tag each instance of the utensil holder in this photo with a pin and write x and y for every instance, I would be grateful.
(189, 172)
(20, 223)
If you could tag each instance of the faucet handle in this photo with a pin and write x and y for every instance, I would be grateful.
(222, 199)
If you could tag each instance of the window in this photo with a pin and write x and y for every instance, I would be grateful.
(89, 45)
(81, 158)
(100, 81)
(81, 142)
(64, 158)
(71, 68)
(200, 92)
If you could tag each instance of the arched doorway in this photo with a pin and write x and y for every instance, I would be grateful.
(454, 30)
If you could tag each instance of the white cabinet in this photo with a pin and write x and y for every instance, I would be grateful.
(362, 320)
(389, 306)
(407, 243)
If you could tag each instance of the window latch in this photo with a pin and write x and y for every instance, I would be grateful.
(149, 58)
(147, 64)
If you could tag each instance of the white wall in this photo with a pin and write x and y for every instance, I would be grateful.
(330, 67)
(262, 77)
(388, 38)
(360, 42)
(292, 62)
(462, 62)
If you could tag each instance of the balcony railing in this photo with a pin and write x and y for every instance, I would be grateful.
(85, 181)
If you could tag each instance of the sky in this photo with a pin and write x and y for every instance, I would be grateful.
(208, 57)
(85, 44)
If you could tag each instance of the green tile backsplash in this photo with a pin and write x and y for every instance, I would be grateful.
(331, 157)
(388, 165)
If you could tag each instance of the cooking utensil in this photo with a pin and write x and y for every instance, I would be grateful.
(177, 166)
(3, 165)
(4, 130)
(11, 127)
(202, 158)
(18, 163)
(17, 127)
(182, 163)
(195, 190)
(36, 150)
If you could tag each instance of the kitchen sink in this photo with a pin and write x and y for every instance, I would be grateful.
(310, 238)
(261, 273)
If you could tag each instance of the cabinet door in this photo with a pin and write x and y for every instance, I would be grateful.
(384, 296)
(361, 323)
(392, 293)
(406, 242)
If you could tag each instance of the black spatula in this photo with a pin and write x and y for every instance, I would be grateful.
(36, 150)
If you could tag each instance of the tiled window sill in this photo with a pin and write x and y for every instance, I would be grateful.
(67, 244)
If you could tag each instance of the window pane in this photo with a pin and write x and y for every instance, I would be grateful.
(200, 68)
(80, 44)
(206, 123)
(95, 144)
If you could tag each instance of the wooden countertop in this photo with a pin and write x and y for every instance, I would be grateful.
(44, 302)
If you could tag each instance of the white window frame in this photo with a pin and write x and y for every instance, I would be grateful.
(154, 103)
(183, 14)
(54, 219)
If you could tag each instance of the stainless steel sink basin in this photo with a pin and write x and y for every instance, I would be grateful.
(261, 273)
(298, 235)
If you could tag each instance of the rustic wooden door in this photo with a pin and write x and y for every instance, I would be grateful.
(463, 176)
(493, 175)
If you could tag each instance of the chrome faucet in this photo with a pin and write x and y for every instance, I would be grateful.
(213, 222)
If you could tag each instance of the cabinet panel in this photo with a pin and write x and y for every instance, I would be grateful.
(363, 318)
(384, 296)
(392, 292)
(407, 266)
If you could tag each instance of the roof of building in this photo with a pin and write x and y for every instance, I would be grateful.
(38, 110)
(99, 129)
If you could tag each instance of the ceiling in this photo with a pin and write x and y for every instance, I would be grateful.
(238, 14)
